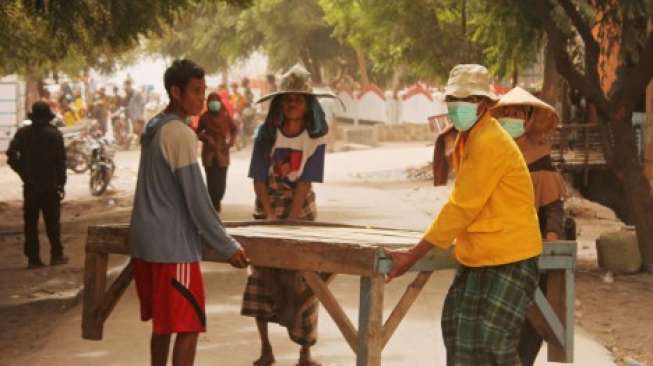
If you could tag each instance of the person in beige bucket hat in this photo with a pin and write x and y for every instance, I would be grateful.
(491, 216)
(531, 122)
(470, 79)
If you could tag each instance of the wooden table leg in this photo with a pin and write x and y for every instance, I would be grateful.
(404, 304)
(570, 321)
(331, 305)
(95, 280)
(560, 296)
(370, 321)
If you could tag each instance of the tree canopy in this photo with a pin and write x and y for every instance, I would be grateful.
(37, 36)
(287, 31)
(429, 37)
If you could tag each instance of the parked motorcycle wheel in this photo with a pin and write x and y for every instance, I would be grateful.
(77, 162)
(99, 182)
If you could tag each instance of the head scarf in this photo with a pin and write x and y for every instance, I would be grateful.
(314, 121)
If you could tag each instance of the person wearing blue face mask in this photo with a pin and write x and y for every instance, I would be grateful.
(531, 123)
(491, 216)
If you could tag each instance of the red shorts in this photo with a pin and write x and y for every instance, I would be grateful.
(172, 295)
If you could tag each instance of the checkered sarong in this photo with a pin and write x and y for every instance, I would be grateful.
(277, 295)
(281, 199)
(484, 312)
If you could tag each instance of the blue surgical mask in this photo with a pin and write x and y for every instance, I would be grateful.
(214, 105)
(462, 114)
(514, 126)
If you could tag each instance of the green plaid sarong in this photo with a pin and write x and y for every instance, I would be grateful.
(484, 311)
(278, 295)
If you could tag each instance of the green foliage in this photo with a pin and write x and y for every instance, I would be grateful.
(287, 31)
(37, 36)
(428, 37)
(511, 35)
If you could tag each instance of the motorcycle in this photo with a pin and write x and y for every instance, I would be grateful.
(122, 129)
(77, 142)
(77, 154)
(102, 165)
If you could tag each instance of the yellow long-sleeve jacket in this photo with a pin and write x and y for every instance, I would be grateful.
(490, 212)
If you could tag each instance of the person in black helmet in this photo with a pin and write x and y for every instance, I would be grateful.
(38, 155)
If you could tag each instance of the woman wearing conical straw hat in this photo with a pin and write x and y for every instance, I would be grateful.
(531, 123)
(288, 157)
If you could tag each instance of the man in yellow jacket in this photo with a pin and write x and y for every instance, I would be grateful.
(491, 216)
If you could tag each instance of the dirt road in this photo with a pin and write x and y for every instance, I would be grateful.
(364, 187)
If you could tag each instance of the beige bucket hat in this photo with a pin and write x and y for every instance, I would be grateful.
(544, 119)
(469, 79)
(296, 81)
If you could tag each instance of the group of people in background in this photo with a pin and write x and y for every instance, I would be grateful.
(73, 106)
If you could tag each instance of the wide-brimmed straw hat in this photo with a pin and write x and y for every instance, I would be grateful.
(296, 81)
(469, 79)
(544, 119)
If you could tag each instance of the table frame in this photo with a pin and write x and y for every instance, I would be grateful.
(551, 315)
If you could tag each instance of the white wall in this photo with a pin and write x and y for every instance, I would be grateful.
(349, 111)
(372, 107)
(12, 102)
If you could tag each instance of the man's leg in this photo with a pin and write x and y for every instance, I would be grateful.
(52, 216)
(184, 352)
(31, 227)
(267, 357)
(159, 346)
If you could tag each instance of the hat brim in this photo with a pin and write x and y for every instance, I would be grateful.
(41, 117)
(460, 93)
(317, 95)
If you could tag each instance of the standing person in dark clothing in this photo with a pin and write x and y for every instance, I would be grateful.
(37, 154)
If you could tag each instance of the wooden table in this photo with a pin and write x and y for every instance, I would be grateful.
(339, 249)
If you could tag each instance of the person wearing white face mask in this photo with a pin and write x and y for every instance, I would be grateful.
(491, 216)
(531, 123)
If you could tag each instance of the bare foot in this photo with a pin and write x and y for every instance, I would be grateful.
(266, 359)
(309, 363)
(305, 358)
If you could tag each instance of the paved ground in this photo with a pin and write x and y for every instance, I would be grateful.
(364, 187)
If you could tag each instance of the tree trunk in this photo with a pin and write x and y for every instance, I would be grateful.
(466, 45)
(312, 66)
(317, 70)
(625, 162)
(565, 113)
(362, 67)
(551, 85)
(648, 133)
(31, 91)
(225, 76)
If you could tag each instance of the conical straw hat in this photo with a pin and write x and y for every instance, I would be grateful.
(544, 118)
